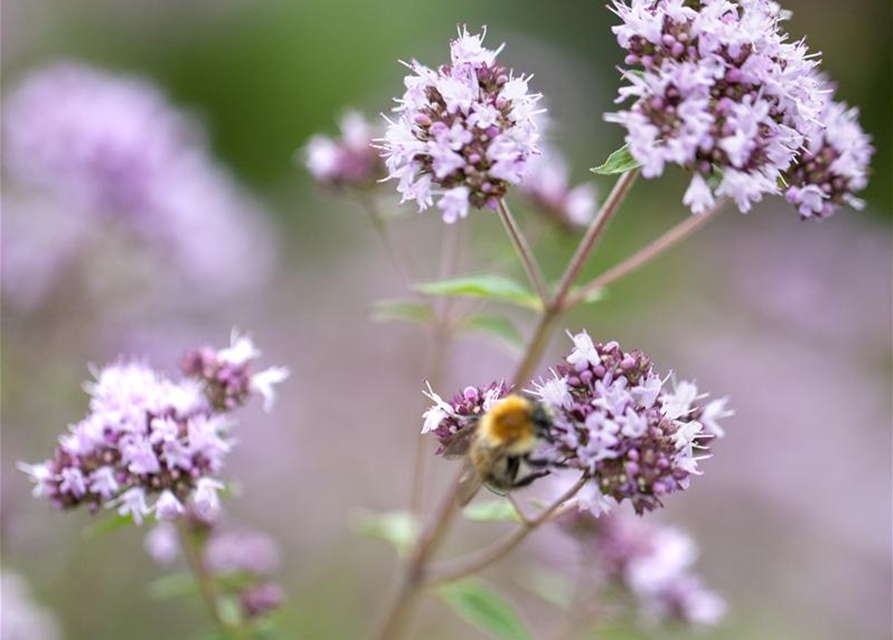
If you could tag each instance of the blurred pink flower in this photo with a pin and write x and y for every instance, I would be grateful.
(23, 618)
(113, 154)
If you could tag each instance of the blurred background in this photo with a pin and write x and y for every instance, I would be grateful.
(791, 319)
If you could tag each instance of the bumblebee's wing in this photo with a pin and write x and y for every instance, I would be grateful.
(469, 484)
(457, 444)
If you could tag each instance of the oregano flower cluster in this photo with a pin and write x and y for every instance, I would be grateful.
(651, 561)
(719, 89)
(613, 418)
(152, 445)
(348, 160)
(242, 559)
(463, 132)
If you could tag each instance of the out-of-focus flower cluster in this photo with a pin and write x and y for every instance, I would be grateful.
(547, 185)
(612, 418)
(834, 165)
(724, 94)
(23, 618)
(243, 560)
(347, 161)
(110, 152)
(464, 132)
(615, 420)
(651, 561)
(150, 444)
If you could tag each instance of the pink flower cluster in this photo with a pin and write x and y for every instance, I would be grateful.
(614, 420)
(444, 419)
(149, 444)
(722, 93)
(833, 167)
(347, 161)
(113, 154)
(464, 132)
(244, 559)
(547, 185)
(651, 561)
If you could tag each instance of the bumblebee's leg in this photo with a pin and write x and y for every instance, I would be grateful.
(539, 464)
(529, 478)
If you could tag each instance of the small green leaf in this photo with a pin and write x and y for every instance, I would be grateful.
(229, 610)
(401, 311)
(473, 602)
(172, 587)
(400, 528)
(552, 586)
(714, 180)
(489, 287)
(496, 326)
(491, 511)
(107, 526)
(596, 295)
(620, 161)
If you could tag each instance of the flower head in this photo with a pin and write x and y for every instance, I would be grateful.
(149, 444)
(463, 132)
(721, 92)
(833, 167)
(113, 160)
(651, 561)
(244, 558)
(23, 618)
(445, 419)
(242, 552)
(226, 374)
(347, 161)
(615, 421)
(547, 185)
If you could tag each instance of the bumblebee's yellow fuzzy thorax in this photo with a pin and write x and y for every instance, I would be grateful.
(509, 423)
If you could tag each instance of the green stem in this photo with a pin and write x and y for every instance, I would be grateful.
(397, 615)
(531, 266)
(645, 255)
(593, 233)
(381, 229)
(536, 346)
(539, 340)
(205, 580)
(482, 559)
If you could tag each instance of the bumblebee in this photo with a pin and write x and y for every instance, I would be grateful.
(497, 447)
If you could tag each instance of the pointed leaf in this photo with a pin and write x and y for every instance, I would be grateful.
(171, 587)
(491, 511)
(399, 528)
(106, 526)
(596, 295)
(620, 161)
(401, 310)
(489, 287)
(475, 603)
(500, 327)
(552, 586)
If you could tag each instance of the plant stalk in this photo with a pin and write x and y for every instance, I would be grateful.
(482, 559)
(645, 255)
(206, 583)
(522, 247)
